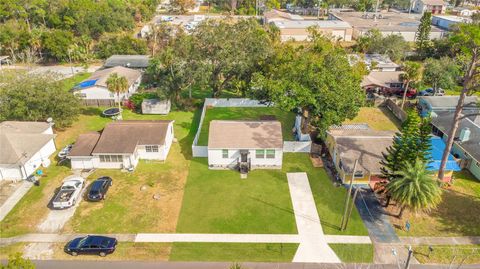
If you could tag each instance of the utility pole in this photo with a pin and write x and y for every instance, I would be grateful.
(376, 11)
(351, 207)
(318, 11)
(409, 257)
(347, 199)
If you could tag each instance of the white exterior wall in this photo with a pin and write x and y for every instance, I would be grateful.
(215, 159)
(15, 172)
(100, 92)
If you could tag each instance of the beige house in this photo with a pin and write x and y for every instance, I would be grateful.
(378, 80)
(432, 6)
(299, 30)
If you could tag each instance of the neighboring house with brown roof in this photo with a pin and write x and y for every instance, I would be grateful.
(24, 147)
(348, 145)
(122, 144)
(95, 87)
(252, 144)
(381, 81)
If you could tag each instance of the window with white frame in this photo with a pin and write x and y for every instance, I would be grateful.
(270, 153)
(151, 148)
(111, 158)
(260, 154)
(224, 153)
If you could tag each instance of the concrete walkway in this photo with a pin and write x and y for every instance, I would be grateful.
(461, 240)
(14, 198)
(313, 245)
(175, 237)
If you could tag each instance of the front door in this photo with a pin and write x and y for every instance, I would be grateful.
(243, 156)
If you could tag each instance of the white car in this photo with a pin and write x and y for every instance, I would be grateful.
(69, 192)
(65, 151)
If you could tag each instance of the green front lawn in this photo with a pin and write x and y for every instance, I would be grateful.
(377, 118)
(219, 201)
(233, 252)
(328, 198)
(246, 113)
(444, 254)
(354, 253)
(456, 215)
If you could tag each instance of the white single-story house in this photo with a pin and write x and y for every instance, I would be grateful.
(24, 147)
(249, 144)
(122, 144)
(94, 90)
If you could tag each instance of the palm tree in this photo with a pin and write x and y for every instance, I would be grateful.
(117, 84)
(412, 74)
(415, 188)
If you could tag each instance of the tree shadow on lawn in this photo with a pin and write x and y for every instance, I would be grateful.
(458, 213)
(186, 142)
(391, 116)
(91, 111)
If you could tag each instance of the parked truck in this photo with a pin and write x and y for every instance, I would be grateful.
(69, 192)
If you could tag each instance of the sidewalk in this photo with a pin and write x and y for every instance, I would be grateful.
(313, 246)
(174, 237)
(14, 198)
(460, 240)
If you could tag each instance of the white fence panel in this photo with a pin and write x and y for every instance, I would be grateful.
(199, 151)
(297, 146)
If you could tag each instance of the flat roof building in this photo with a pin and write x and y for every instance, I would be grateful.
(299, 30)
(387, 23)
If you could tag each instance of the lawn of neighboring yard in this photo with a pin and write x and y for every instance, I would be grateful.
(219, 201)
(12, 249)
(128, 209)
(354, 253)
(233, 252)
(328, 198)
(444, 254)
(457, 214)
(246, 113)
(378, 118)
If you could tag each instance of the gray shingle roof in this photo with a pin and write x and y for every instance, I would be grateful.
(131, 61)
(443, 102)
(443, 121)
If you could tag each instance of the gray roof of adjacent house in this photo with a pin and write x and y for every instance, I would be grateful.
(19, 141)
(225, 134)
(130, 61)
(443, 121)
(381, 78)
(449, 102)
(124, 136)
(366, 146)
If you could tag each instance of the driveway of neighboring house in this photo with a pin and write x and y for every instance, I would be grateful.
(53, 223)
(11, 194)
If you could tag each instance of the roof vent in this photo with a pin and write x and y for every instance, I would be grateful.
(464, 134)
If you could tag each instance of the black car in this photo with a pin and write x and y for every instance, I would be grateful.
(91, 244)
(99, 188)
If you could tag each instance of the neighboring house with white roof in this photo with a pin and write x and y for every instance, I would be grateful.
(245, 144)
(374, 62)
(433, 6)
(447, 21)
(94, 90)
(24, 147)
(122, 144)
(277, 15)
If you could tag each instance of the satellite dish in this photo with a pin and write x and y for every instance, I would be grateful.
(49, 120)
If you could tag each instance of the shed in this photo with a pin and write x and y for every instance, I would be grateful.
(156, 106)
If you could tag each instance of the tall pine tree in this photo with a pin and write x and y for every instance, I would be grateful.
(422, 38)
(411, 144)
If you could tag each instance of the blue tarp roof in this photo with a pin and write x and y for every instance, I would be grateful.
(436, 152)
(86, 84)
